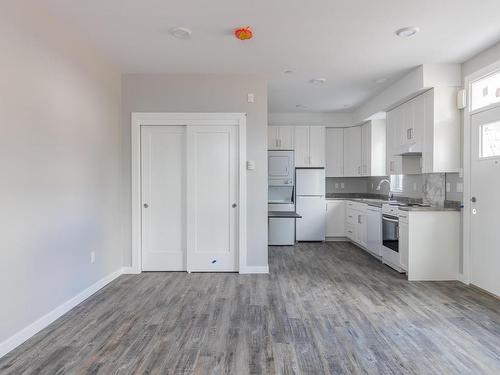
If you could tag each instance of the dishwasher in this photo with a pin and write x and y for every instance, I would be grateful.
(374, 230)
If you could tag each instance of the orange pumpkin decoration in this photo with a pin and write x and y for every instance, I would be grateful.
(243, 33)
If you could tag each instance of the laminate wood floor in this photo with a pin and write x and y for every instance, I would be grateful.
(324, 308)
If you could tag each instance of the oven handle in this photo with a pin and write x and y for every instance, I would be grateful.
(388, 218)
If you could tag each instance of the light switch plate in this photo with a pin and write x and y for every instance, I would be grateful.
(342, 185)
(250, 165)
(251, 98)
(460, 187)
(336, 185)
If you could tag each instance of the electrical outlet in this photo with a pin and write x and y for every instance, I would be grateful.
(342, 185)
(414, 186)
(448, 187)
(336, 185)
(460, 187)
(92, 257)
(373, 185)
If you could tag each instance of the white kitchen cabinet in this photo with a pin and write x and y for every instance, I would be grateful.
(301, 137)
(373, 148)
(441, 136)
(280, 137)
(403, 244)
(309, 146)
(428, 243)
(427, 126)
(356, 222)
(352, 152)
(335, 218)
(334, 152)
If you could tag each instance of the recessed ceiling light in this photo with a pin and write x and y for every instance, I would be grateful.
(318, 81)
(181, 32)
(380, 80)
(407, 32)
(288, 71)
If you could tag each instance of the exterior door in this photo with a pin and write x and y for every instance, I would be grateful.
(163, 198)
(485, 205)
(212, 198)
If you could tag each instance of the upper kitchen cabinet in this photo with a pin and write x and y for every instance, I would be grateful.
(280, 138)
(309, 146)
(365, 149)
(426, 127)
(352, 152)
(441, 136)
(334, 151)
(373, 144)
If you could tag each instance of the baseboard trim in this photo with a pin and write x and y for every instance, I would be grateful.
(130, 271)
(337, 239)
(254, 270)
(24, 334)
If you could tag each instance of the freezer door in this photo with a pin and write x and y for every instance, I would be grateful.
(310, 181)
(312, 225)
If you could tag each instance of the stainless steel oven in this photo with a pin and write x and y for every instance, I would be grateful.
(390, 237)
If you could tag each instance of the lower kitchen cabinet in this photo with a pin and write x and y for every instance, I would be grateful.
(429, 243)
(403, 242)
(335, 218)
(356, 215)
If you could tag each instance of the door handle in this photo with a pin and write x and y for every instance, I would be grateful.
(146, 205)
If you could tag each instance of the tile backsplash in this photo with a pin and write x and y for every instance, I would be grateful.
(431, 188)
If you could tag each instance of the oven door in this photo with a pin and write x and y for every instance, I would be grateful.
(390, 232)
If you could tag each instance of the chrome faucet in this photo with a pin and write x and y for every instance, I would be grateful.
(380, 185)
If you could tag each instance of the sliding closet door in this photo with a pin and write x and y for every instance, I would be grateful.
(212, 198)
(163, 197)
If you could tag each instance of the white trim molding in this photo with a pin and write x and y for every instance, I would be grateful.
(26, 333)
(254, 270)
(186, 119)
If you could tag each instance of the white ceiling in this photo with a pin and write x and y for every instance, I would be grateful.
(350, 43)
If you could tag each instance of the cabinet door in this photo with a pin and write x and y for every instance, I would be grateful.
(362, 229)
(301, 139)
(417, 130)
(398, 128)
(334, 151)
(317, 146)
(366, 149)
(350, 231)
(272, 138)
(407, 128)
(404, 244)
(285, 137)
(352, 151)
(335, 218)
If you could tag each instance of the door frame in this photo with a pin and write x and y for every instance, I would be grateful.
(139, 119)
(465, 275)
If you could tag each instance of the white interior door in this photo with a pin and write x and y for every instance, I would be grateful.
(485, 206)
(163, 198)
(212, 198)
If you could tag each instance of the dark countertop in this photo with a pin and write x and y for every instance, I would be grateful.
(283, 214)
(378, 200)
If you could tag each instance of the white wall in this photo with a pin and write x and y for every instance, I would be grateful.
(60, 167)
(481, 60)
(311, 118)
(207, 93)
